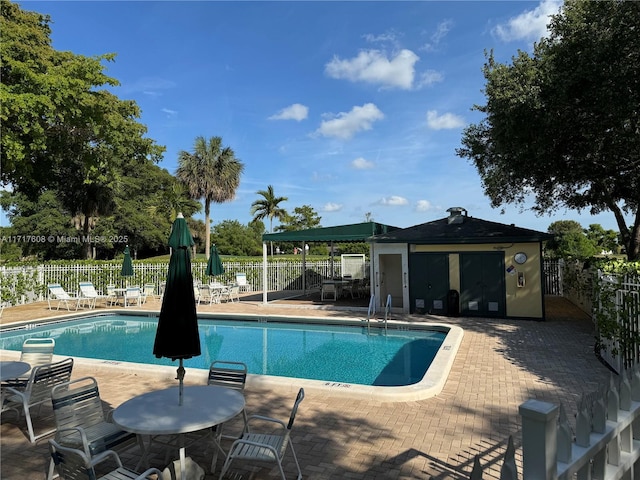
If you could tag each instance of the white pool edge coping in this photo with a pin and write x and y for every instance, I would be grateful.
(431, 384)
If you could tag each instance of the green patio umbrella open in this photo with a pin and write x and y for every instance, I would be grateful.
(214, 265)
(127, 264)
(177, 334)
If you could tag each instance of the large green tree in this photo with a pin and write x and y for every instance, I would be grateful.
(302, 218)
(233, 238)
(562, 126)
(268, 207)
(62, 129)
(211, 173)
(569, 241)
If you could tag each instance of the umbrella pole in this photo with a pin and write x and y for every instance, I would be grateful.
(180, 378)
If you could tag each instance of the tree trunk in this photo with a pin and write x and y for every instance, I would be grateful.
(86, 245)
(633, 246)
(207, 228)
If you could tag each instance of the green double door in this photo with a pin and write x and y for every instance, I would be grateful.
(482, 289)
(428, 283)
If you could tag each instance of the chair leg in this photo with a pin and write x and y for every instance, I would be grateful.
(295, 457)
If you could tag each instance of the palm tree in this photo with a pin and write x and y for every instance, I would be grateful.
(211, 173)
(268, 207)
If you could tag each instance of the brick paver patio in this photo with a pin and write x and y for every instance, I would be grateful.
(500, 364)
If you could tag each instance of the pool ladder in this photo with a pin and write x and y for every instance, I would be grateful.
(371, 312)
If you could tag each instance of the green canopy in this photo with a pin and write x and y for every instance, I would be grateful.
(177, 335)
(127, 264)
(214, 265)
(357, 232)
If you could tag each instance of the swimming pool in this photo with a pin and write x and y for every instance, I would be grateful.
(335, 354)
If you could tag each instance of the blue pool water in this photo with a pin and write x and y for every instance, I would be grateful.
(335, 353)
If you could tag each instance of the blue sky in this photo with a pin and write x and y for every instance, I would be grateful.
(349, 107)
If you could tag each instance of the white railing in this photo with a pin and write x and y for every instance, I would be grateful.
(604, 443)
(607, 435)
(26, 284)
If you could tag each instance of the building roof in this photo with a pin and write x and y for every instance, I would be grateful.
(460, 229)
(357, 232)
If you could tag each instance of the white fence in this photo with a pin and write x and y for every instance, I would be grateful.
(25, 284)
(604, 443)
(618, 304)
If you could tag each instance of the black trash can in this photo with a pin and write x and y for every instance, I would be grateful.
(453, 303)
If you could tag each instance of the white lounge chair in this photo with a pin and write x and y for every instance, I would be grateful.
(265, 447)
(59, 294)
(37, 391)
(89, 295)
(81, 422)
(241, 281)
(72, 463)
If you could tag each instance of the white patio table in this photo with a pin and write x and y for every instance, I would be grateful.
(158, 413)
(9, 370)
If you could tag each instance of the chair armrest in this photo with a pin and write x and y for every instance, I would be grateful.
(102, 456)
(152, 471)
(13, 391)
(266, 419)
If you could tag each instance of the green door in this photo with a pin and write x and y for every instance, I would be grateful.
(428, 282)
(482, 285)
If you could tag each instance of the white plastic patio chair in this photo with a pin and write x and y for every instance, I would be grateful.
(74, 464)
(263, 447)
(241, 281)
(233, 293)
(111, 297)
(132, 296)
(148, 291)
(208, 295)
(59, 294)
(329, 290)
(37, 391)
(81, 422)
(89, 295)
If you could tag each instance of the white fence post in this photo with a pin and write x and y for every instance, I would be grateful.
(539, 441)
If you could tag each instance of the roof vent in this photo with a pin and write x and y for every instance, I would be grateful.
(455, 215)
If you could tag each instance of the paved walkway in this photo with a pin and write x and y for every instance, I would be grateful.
(500, 364)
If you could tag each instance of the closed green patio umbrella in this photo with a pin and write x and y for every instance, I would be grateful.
(127, 264)
(177, 334)
(214, 265)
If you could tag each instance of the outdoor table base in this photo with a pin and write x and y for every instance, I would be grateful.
(155, 414)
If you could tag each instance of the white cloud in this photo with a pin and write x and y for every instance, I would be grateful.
(362, 164)
(332, 207)
(373, 66)
(444, 121)
(393, 201)
(169, 112)
(151, 86)
(429, 78)
(529, 25)
(346, 124)
(296, 112)
(441, 31)
(423, 206)
(389, 36)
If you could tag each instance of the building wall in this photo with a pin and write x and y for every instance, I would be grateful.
(521, 301)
